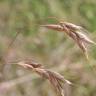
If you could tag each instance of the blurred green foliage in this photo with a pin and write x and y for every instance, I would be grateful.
(51, 48)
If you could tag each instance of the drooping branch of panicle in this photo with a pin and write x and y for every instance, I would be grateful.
(73, 31)
(55, 78)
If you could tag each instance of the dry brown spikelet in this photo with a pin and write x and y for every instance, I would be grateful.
(75, 32)
(55, 78)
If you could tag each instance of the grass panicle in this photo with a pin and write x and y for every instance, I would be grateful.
(55, 78)
(75, 32)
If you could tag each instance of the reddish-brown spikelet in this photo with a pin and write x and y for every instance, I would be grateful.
(55, 78)
(53, 26)
(75, 32)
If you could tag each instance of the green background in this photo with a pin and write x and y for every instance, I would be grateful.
(54, 50)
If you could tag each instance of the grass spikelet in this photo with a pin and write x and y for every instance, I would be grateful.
(75, 32)
(55, 78)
